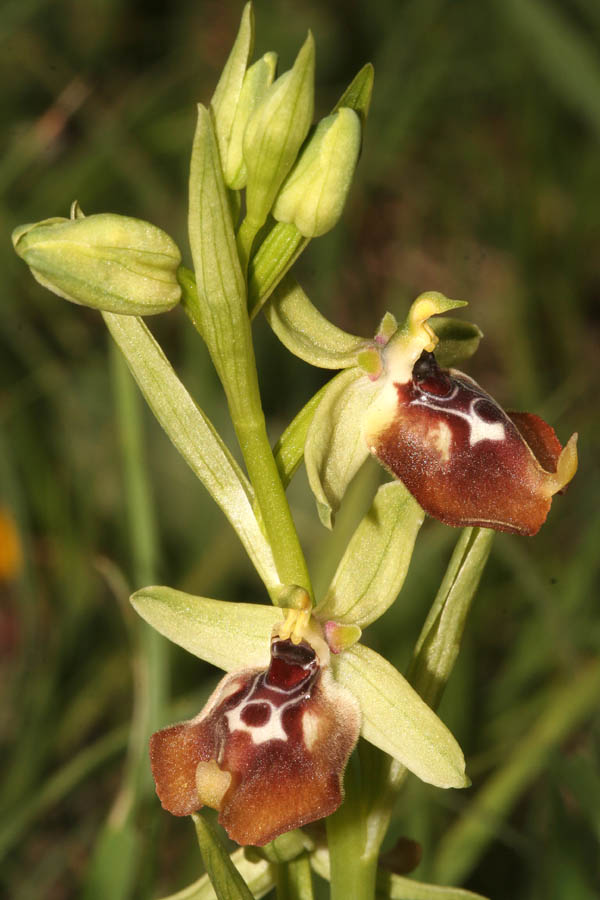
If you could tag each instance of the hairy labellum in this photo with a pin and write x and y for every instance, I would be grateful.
(466, 461)
(268, 750)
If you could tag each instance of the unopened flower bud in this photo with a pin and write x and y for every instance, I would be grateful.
(275, 132)
(257, 80)
(105, 261)
(314, 193)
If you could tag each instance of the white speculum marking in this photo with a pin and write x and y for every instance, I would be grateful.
(272, 729)
(479, 429)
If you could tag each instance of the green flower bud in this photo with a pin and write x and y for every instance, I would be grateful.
(314, 193)
(275, 132)
(257, 80)
(105, 261)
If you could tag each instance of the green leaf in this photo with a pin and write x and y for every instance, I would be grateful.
(112, 869)
(225, 99)
(335, 447)
(225, 878)
(193, 436)
(228, 635)
(289, 449)
(374, 566)
(458, 340)
(398, 721)
(439, 642)
(306, 332)
(218, 308)
(358, 93)
(258, 874)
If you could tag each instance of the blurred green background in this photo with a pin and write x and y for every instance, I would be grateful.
(480, 178)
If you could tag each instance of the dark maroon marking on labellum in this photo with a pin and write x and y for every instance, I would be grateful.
(255, 714)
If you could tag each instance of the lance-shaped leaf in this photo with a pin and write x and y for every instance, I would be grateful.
(306, 332)
(219, 308)
(258, 873)
(225, 878)
(335, 447)
(374, 566)
(225, 99)
(439, 642)
(193, 436)
(228, 635)
(458, 340)
(398, 721)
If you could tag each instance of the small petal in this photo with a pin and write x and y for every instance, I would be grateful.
(463, 458)
(268, 751)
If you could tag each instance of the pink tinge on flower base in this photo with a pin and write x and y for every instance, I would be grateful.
(268, 750)
(465, 460)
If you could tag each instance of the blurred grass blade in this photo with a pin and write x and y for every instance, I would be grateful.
(374, 566)
(568, 706)
(258, 875)
(289, 449)
(193, 436)
(225, 878)
(226, 634)
(306, 332)
(397, 720)
(439, 642)
(564, 56)
(114, 864)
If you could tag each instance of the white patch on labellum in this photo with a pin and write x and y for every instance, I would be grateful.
(310, 729)
(441, 438)
(479, 429)
(272, 729)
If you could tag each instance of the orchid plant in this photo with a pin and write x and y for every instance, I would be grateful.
(302, 693)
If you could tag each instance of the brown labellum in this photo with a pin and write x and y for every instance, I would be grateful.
(466, 461)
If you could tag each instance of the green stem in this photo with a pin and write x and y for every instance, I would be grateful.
(353, 857)
(249, 422)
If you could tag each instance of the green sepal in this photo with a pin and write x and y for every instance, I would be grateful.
(275, 132)
(257, 872)
(357, 95)
(228, 635)
(373, 568)
(306, 332)
(193, 436)
(105, 261)
(289, 449)
(335, 448)
(225, 878)
(313, 195)
(283, 244)
(225, 100)
(398, 721)
(459, 340)
(257, 80)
